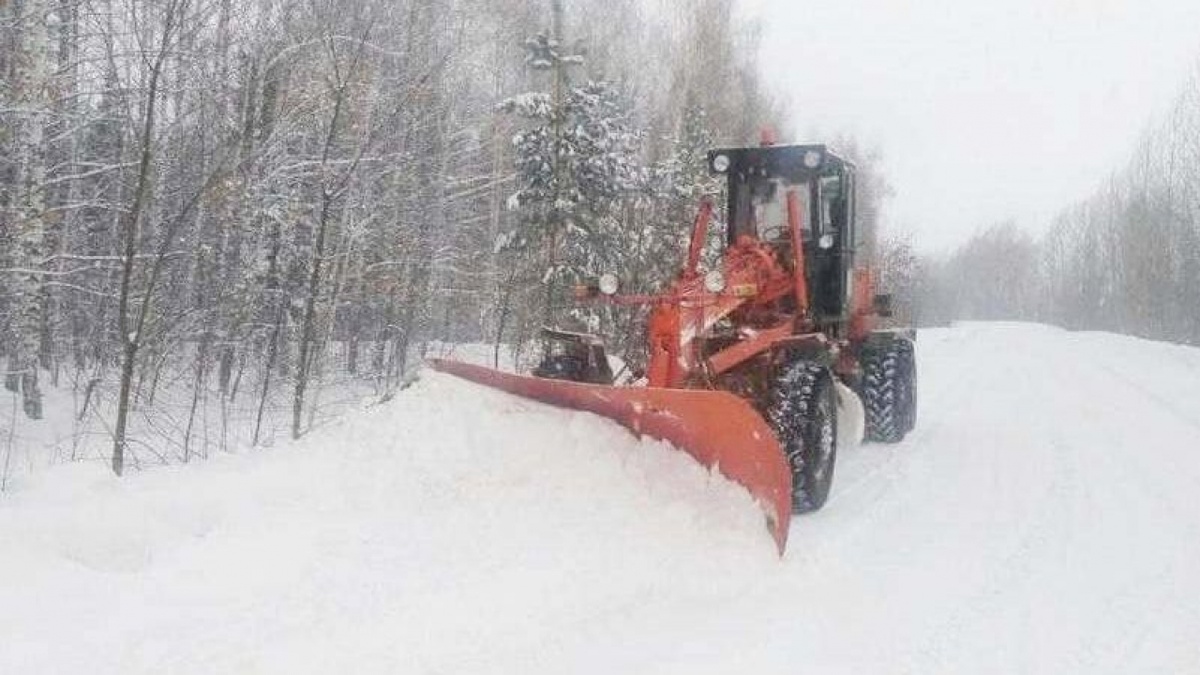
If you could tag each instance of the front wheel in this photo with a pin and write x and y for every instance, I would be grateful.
(803, 413)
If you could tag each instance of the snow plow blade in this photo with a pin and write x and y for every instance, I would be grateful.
(716, 428)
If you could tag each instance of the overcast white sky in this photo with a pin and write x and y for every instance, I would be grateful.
(984, 109)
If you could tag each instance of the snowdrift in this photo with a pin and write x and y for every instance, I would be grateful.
(453, 530)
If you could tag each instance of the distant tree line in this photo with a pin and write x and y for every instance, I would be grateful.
(1126, 259)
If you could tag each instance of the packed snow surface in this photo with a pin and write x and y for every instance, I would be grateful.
(1042, 518)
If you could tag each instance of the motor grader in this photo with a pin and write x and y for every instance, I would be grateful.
(755, 366)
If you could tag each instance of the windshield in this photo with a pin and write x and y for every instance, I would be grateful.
(766, 212)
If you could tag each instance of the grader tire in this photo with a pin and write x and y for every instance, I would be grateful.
(803, 412)
(889, 390)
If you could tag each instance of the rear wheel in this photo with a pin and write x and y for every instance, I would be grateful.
(803, 413)
(889, 390)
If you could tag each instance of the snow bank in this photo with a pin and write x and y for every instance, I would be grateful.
(455, 530)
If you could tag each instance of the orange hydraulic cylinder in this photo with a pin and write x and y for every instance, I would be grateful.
(664, 369)
(796, 225)
(699, 235)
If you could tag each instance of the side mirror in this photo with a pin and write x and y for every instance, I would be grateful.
(883, 305)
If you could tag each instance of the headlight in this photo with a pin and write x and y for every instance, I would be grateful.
(714, 281)
(609, 284)
(826, 241)
(813, 159)
(720, 163)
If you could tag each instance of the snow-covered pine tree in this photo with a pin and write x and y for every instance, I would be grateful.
(575, 160)
(601, 158)
(678, 183)
(30, 94)
(657, 224)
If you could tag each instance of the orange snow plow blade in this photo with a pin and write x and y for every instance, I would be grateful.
(716, 428)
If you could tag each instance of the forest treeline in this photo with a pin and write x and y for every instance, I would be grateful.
(208, 208)
(1125, 260)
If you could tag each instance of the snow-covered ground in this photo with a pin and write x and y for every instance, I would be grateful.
(171, 422)
(1042, 518)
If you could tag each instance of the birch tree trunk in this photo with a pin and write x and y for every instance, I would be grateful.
(31, 85)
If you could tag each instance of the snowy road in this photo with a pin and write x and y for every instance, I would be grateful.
(1044, 517)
